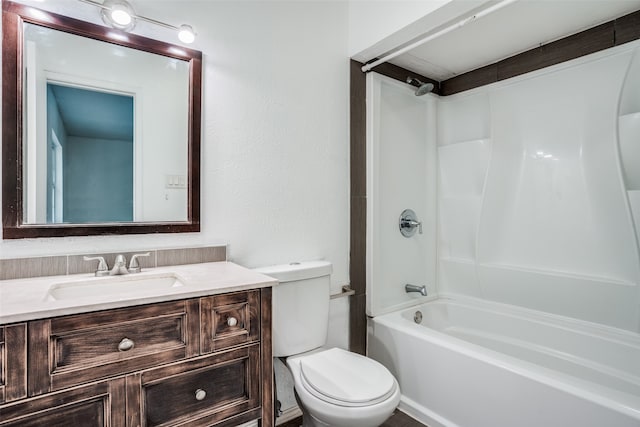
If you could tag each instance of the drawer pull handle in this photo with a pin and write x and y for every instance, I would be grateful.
(200, 394)
(126, 344)
(232, 321)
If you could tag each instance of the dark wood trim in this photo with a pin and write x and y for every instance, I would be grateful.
(133, 400)
(268, 416)
(401, 74)
(627, 28)
(118, 402)
(15, 346)
(11, 112)
(580, 44)
(4, 372)
(613, 33)
(192, 330)
(472, 79)
(358, 130)
(358, 323)
(358, 208)
(13, 16)
(38, 357)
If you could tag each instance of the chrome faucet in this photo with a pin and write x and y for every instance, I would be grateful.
(413, 288)
(119, 266)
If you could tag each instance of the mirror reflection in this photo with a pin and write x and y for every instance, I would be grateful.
(105, 131)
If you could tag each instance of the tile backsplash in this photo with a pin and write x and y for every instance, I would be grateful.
(19, 268)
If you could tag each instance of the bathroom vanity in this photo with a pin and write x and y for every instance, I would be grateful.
(197, 355)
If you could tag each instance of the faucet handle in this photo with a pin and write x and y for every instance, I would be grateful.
(408, 223)
(103, 269)
(134, 266)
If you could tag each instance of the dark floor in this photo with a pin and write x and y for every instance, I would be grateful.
(398, 419)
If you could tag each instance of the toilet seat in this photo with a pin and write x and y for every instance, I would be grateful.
(346, 379)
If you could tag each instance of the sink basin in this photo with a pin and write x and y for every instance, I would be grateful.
(116, 287)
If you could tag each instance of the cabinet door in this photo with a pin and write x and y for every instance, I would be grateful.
(94, 405)
(228, 320)
(13, 362)
(94, 346)
(199, 392)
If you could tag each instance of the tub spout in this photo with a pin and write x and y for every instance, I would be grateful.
(413, 288)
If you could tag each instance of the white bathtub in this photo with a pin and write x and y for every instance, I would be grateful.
(472, 363)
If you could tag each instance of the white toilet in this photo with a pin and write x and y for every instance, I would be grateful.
(334, 387)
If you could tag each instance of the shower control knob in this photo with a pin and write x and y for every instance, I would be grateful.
(232, 321)
(408, 223)
(200, 394)
(126, 344)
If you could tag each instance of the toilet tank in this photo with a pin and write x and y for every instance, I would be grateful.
(300, 306)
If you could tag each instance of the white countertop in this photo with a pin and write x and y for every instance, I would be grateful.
(29, 299)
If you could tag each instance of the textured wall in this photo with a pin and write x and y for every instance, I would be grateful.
(274, 155)
(274, 136)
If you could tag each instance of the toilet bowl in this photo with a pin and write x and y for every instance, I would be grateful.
(334, 387)
(341, 389)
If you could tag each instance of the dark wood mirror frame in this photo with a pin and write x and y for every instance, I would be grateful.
(13, 17)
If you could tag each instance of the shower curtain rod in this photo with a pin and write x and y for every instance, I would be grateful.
(428, 38)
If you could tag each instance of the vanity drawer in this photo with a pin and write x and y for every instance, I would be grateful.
(202, 391)
(91, 346)
(229, 320)
(93, 405)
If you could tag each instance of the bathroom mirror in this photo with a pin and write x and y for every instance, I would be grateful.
(101, 129)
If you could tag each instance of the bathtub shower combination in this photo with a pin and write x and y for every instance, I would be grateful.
(528, 193)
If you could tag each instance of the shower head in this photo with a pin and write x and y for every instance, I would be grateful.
(422, 87)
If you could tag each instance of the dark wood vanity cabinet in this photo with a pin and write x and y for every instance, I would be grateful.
(197, 362)
(13, 362)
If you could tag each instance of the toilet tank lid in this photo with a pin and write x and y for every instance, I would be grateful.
(297, 270)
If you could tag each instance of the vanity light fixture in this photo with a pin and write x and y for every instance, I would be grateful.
(186, 34)
(120, 14)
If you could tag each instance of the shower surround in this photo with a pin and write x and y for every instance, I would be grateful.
(538, 208)
(539, 190)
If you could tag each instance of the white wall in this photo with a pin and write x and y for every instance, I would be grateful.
(274, 133)
(534, 210)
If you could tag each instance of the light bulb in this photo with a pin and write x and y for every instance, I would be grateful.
(186, 34)
(120, 16)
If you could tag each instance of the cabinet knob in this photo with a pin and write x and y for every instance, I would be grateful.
(200, 394)
(126, 344)
(232, 321)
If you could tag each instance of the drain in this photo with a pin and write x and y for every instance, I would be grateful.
(417, 317)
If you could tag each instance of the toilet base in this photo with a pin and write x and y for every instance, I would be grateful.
(309, 420)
